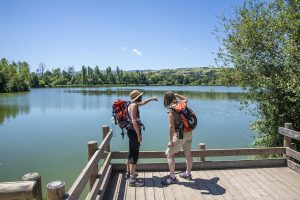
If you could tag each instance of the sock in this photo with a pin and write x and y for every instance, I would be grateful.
(188, 172)
(132, 177)
(172, 175)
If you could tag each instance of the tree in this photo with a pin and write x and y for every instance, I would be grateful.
(262, 43)
(41, 69)
(83, 75)
(98, 76)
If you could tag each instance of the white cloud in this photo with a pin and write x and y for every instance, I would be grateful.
(137, 52)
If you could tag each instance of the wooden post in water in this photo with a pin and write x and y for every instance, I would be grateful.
(92, 148)
(34, 176)
(105, 131)
(202, 147)
(286, 139)
(55, 190)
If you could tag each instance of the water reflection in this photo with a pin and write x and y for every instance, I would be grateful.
(160, 93)
(12, 105)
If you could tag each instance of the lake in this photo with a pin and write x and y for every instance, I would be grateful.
(47, 130)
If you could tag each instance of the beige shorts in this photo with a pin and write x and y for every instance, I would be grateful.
(185, 143)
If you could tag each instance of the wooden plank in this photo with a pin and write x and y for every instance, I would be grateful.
(101, 175)
(292, 153)
(122, 187)
(202, 185)
(192, 188)
(17, 190)
(217, 184)
(140, 191)
(241, 185)
(149, 191)
(229, 189)
(282, 184)
(207, 152)
(251, 184)
(234, 182)
(157, 186)
(289, 133)
(130, 192)
(213, 186)
(113, 187)
(104, 185)
(79, 184)
(174, 188)
(272, 184)
(264, 185)
(290, 179)
(169, 194)
(209, 165)
(294, 166)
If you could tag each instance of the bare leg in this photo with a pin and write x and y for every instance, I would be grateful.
(128, 167)
(189, 161)
(132, 169)
(171, 163)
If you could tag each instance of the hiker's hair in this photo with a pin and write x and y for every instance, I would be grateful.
(169, 98)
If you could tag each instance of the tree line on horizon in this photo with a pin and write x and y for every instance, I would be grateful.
(15, 77)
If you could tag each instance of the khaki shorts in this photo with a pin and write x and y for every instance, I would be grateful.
(185, 143)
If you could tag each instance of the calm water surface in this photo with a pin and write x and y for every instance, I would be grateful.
(46, 130)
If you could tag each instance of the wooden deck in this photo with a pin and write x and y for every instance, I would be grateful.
(273, 175)
(251, 183)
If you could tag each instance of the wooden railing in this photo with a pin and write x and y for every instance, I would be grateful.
(292, 155)
(29, 188)
(98, 179)
(208, 164)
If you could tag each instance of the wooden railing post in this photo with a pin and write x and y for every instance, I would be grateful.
(34, 176)
(55, 190)
(105, 131)
(92, 148)
(202, 147)
(286, 139)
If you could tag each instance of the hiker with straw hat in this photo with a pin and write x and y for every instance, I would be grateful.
(134, 135)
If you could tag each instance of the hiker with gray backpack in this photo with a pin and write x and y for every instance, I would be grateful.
(182, 120)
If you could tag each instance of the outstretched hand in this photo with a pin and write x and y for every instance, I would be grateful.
(154, 99)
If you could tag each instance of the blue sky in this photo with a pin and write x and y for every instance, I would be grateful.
(131, 34)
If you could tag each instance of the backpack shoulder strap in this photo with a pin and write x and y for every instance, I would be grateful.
(177, 119)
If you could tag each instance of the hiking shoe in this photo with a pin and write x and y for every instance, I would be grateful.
(185, 176)
(127, 176)
(169, 180)
(134, 183)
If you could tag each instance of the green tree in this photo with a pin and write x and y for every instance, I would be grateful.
(83, 75)
(262, 44)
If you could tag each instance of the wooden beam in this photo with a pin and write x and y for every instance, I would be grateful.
(34, 176)
(102, 172)
(80, 182)
(104, 185)
(208, 165)
(207, 153)
(292, 153)
(294, 166)
(17, 190)
(289, 133)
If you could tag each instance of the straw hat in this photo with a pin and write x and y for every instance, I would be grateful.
(135, 94)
